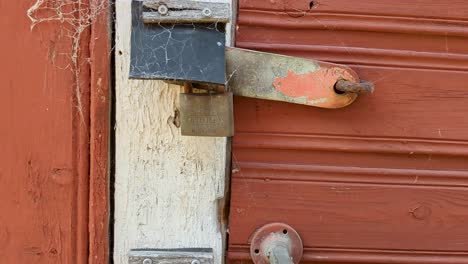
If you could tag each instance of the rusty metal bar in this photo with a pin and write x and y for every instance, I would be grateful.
(362, 87)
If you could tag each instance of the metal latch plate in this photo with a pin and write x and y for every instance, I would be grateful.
(171, 256)
(191, 52)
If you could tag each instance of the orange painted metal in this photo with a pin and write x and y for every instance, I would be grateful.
(383, 180)
(287, 79)
(299, 85)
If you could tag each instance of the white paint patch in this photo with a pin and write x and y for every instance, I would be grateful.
(166, 185)
(317, 101)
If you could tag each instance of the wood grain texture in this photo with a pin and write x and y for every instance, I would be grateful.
(100, 52)
(316, 20)
(169, 189)
(80, 105)
(239, 254)
(409, 103)
(45, 159)
(381, 181)
(368, 56)
(455, 10)
(348, 215)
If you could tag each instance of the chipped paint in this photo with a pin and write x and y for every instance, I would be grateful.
(315, 86)
(287, 79)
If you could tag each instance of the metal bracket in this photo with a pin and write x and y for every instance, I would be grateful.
(171, 256)
(185, 11)
(190, 50)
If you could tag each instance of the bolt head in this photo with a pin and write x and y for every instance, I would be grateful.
(195, 261)
(163, 10)
(206, 12)
(147, 261)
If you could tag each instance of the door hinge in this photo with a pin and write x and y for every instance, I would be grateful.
(171, 256)
(185, 11)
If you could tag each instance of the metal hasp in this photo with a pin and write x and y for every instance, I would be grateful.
(276, 243)
(171, 256)
(183, 42)
(291, 79)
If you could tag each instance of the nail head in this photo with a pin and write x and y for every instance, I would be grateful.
(162, 9)
(206, 12)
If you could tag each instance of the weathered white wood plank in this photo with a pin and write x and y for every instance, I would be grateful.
(167, 187)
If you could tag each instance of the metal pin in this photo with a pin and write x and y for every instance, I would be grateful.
(195, 261)
(363, 87)
(147, 261)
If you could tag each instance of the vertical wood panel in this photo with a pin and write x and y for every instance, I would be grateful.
(44, 138)
(169, 189)
(100, 47)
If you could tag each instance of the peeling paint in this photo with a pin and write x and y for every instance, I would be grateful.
(288, 79)
(315, 86)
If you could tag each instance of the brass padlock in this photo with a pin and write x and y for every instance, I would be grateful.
(207, 114)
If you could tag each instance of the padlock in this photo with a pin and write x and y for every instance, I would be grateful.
(207, 114)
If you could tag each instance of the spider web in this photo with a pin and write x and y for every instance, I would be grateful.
(75, 18)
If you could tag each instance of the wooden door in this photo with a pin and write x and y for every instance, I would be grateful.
(384, 180)
(54, 111)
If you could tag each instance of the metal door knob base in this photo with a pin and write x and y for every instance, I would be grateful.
(276, 243)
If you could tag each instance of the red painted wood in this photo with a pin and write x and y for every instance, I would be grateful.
(384, 180)
(455, 10)
(45, 135)
(100, 48)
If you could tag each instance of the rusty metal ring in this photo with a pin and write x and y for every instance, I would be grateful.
(363, 87)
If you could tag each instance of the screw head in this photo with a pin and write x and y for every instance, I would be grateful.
(195, 261)
(206, 12)
(163, 10)
(147, 261)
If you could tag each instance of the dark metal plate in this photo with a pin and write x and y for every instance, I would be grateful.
(188, 52)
